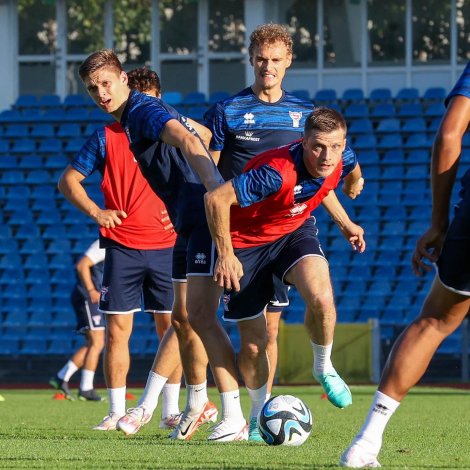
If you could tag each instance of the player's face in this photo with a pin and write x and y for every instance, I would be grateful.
(322, 152)
(270, 62)
(108, 88)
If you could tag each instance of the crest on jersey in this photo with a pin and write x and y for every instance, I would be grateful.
(296, 116)
(249, 118)
(298, 209)
(297, 189)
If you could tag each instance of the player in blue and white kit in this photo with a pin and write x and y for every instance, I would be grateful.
(448, 301)
(85, 297)
(167, 153)
(262, 117)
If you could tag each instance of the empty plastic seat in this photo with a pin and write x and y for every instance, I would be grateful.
(32, 245)
(435, 94)
(49, 101)
(8, 162)
(216, 96)
(23, 146)
(380, 94)
(435, 110)
(194, 97)
(434, 125)
(360, 126)
(356, 110)
(383, 110)
(49, 217)
(75, 100)
(30, 162)
(393, 156)
(48, 192)
(325, 95)
(414, 125)
(390, 141)
(418, 139)
(26, 101)
(50, 146)
(10, 115)
(10, 346)
(36, 261)
(419, 156)
(368, 157)
(74, 145)
(52, 232)
(27, 232)
(58, 246)
(12, 177)
(19, 131)
(56, 115)
(34, 346)
(388, 125)
(4, 146)
(61, 261)
(302, 94)
(410, 110)
(55, 161)
(42, 130)
(69, 130)
(38, 277)
(353, 95)
(407, 94)
(38, 177)
(172, 97)
(366, 141)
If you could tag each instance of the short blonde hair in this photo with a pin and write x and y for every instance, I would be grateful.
(269, 34)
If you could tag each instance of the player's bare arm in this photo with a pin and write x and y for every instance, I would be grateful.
(83, 268)
(352, 232)
(445, 158)
(70, 185)
(353, 183)
(174, 133)
(228, 270)
(204, 133)
(215, 154)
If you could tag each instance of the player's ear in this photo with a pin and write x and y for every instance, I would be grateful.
(251, 61)
(124, 78)
(289, 60)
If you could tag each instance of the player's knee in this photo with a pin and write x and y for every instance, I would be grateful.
(320, 301)
(253, 346)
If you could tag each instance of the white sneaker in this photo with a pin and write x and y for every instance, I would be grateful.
(191, 420)
(109, 423)
(229, 430)
(170, 421)
(356, 456)
(133, 420)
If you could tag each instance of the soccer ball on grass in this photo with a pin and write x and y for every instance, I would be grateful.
(285, 420)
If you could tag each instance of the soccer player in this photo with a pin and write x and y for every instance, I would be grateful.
(261, 225)
(258, 118)
(179, 169)
(448, 301)
(90, 322)
(139, 238)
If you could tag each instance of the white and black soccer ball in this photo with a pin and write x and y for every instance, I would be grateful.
(285, 420)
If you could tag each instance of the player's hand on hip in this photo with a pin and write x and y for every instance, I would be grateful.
(353, 190)
(110, 218)
(427, 250)
(228, 272)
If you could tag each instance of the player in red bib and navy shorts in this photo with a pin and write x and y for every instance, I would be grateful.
(265, 215)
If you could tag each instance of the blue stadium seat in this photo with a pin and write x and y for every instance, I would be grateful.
(38, 278)
(356, 110)
(69, 130)
(36, 261)
(418, 140)
(4, 146)
(74, 145)
(48, 192)
(58, 246)
(383, 110)
(360, 126)
(435, 110)
(42, 130)
(77, 115)
(393, 156)
(5, 232)
(54, 115)
(434, 125)
(325, 95)
(32, 246)
(418, 156)
(18, 192)
(30, 162)
(8, 245)
(23, 146)
(407, 94)
(59, 161)
(435, 94)
(410, 110)
(388, 125)
(13, 131)
(380, 95)
(50, 146)
(10, 346)
(216, 96)
(61, 261)
(8, 162)
(368, 157)
(172, 98)
(414, 125)
(49, 217)
(194, 97)
(393, 315)
(10, 115)
(11, 261)
(353, 95)
(75, 100)
(49, 101)
(34, 346)
(302, 94)
(63, 277)
(97, 115)
(26, 101)
(38, 177)
(390, 141)
(60, 346)
(365, 141)
(12, 177)
(52, 232)
(27, 232)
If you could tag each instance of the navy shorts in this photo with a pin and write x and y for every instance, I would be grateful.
(87, 313)
(259, 265)
(194, 254)
(453, 265)
(280, 298)
(136, 279)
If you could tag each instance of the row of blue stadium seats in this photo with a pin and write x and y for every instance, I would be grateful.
(174, 97)
(49, 146)
(54, 115)
(47, 130)
(389, 125)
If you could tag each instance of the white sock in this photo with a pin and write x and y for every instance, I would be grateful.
(67, 371)
(86, 381)
(231, 405)
(170, 399)
(322, 358)
(153, 388)
(380, 412)
(258, 399)
(117, 400)
(196, 396)
(268, 396)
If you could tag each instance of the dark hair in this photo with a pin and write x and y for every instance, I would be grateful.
(269, 34)
(98, 60)
(144, 79)
(325, 120)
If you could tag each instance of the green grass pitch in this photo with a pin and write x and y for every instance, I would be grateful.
(430, 430)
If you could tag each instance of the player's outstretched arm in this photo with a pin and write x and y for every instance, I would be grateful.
(353, 183)
(228, 269)
(70, 185)
(352, 232)
(204, 133)
(174, 133)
